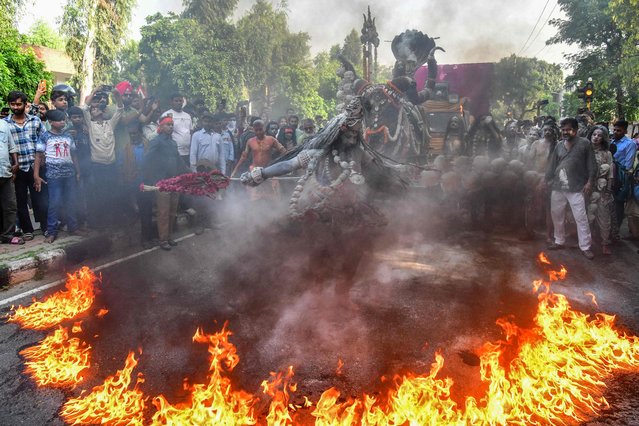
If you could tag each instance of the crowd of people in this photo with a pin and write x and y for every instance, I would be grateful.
(530, 173)
(81, 167)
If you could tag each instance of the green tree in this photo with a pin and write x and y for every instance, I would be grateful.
(328, 80)
(127, 64)
(20, 69)
(209, 12)
(521, 82)
(601, 52)
(177, 53)
(352, 49)
(41, 34)
(95, 30)
(267, 47)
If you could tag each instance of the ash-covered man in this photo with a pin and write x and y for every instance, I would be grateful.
(26, 129)
(537, 201)
(571, 174)
(182, 126)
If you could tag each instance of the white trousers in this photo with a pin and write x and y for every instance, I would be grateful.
(558, 201)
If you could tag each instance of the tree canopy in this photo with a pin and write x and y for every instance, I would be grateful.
(602, 33)
(521, 82)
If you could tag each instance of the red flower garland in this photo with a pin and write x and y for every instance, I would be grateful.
(201, 184)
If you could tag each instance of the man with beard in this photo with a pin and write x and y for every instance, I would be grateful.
(571, 175)
(26, 130)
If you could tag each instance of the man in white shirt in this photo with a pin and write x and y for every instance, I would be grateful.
(182, 126)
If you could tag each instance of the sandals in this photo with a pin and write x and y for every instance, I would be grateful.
(165, 245)
(27, 236)
(17, 241)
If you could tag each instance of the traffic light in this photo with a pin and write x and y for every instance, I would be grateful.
(589, 90)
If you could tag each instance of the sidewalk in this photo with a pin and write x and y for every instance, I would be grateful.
(33, 259)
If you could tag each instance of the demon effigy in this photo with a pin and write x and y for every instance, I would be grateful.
(341, 175)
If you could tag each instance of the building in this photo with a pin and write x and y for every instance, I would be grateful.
(56, 62)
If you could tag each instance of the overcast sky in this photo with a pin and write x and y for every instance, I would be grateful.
(470, 31)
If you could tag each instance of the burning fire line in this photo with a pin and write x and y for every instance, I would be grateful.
(57, 360)
(550, 374)
(62, 305)
(111, 403)
(215, 402)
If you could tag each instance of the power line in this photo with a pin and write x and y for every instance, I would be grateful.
(542, 27)
(534, 28)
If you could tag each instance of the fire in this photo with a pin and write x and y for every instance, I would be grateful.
(62, 305)
(57, 360)
(101, 313)
(340, 365)
(552, 373)
(215, 402)
(277, 387)
(110, 403)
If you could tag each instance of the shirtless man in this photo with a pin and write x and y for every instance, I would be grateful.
(261, 149)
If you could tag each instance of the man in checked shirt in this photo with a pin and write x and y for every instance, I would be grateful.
(26, 130)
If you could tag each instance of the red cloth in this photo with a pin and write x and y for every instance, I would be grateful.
(124, 86)
(473, 81)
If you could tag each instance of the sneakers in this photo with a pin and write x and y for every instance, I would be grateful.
(588, 254)
(555, 246)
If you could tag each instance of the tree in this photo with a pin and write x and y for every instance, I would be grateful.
(602, 52)
(20, 69)
(178, 54)
(127, 64)
(209, 12)
(267, 47)
(41, 34)
(352, 49)
(95, 30)
(521, 82)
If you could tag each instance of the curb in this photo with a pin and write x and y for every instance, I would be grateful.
(58, 259)
(34, 267)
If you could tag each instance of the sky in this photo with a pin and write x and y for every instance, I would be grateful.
(469, 30)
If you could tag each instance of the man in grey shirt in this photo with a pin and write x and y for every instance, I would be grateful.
(571, 174)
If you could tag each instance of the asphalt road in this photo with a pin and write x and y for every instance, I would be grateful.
(417, 288)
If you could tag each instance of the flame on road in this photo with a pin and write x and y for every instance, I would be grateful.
(57, 360)
(62, 305)
(552, 373)
(215, 402)
(111, 403)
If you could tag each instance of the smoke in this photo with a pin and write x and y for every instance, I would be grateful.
(469, 31)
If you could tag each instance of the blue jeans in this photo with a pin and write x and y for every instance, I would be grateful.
(62, 192)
